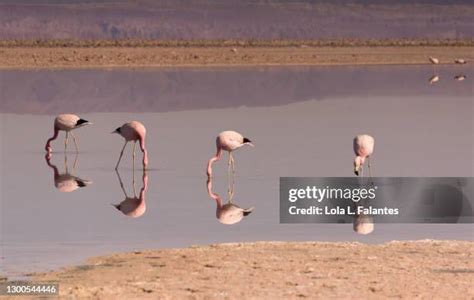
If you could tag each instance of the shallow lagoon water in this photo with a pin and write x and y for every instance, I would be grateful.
(302, 121)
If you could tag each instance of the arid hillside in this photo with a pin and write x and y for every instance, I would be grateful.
(212, 19)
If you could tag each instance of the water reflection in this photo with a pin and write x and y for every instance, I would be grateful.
(67, 182)
(363, 224)
(228, 213)
(164, 90)
(433, 79)
(134, 206)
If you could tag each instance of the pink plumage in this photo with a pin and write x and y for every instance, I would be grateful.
(227, 141)
(133, 131)
(66, 123)
(363, 149)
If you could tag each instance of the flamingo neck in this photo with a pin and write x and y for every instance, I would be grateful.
(359, 160)
(212, 160)
(213, 195)
(144, 188)
(55, 169)
(48, 143)
(145, 152)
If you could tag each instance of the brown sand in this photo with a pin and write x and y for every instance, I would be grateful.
(278, 270)
(95, 57)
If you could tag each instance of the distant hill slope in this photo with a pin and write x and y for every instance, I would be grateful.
(145, 19)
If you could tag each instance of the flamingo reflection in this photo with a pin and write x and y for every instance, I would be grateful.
(433, 79)
(363, 224)
(133, 206)
(66, 182)
(228, 213)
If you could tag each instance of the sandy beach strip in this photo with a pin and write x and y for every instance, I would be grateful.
(277, 270)
(169, 56)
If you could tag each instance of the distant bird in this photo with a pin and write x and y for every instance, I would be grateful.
(228, 213)
(132, 132)
(234, 50)
(227, 141)
(434, 60)
(460, 77)
(460, 61)
(133, 206)
(67, 123)
(433, 79)
(66, 182)
(363, 148)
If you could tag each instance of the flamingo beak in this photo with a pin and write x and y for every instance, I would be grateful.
(84, 182)
(356, 171)
(248, 142)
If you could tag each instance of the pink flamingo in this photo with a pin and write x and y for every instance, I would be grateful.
(67, 123)
(228, 141)
(133, 131)
(228, 213)
(133, 206)
(363, 148)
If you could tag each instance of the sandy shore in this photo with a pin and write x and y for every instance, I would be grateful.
(110, 57)
(277, 270)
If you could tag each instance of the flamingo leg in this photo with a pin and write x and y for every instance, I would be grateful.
(65, 163)
(133, 155)
(133, 183)
(231, 191)
(75, 143)
(233, 163)
(368, 165)
(121, 184)
(74, 164)
(121, 154)
(233, 175)
(229, 162)
(65, 141)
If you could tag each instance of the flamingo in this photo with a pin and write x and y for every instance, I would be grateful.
(67, 123)
(434, 60)
(228, 213)
(363, 148)
(66, 182)
(460, 77)
(133, 206)
(460, 61)
(133, 131)
(227, 141)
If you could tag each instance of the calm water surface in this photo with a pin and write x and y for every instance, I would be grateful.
(302, 121)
